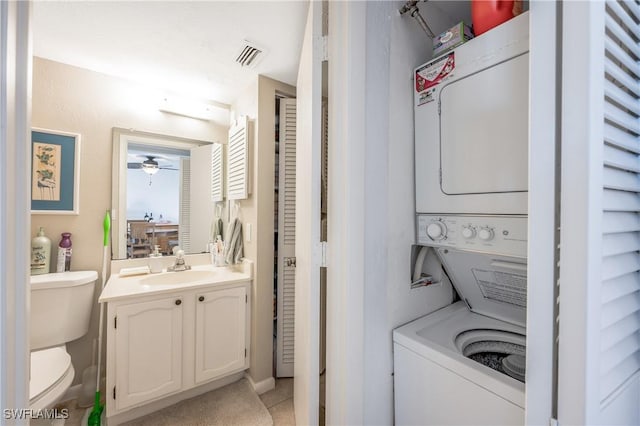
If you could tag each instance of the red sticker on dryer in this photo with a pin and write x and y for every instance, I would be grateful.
(433, 73)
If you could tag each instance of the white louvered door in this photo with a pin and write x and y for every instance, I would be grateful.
(184, 233)
(238, 161)
(599, 315)
(286, 240)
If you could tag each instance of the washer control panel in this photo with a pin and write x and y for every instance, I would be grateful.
(493, 234)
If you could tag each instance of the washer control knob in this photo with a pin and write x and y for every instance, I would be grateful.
(437, 230)
(486, 234)
(468, 232)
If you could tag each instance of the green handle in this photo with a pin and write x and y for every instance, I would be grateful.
(107, 227)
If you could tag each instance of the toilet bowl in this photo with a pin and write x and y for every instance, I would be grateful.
(61, 306)
(51, 375)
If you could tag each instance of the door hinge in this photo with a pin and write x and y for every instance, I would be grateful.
(245, 352)
(246, 298)
(115, 322)
(114, 392)
(323, 254)
(440, 176)
(439, 107)
(325, 48)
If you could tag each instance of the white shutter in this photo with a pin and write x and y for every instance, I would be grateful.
(184, 235)
(599, 310)
(620, 293)
(217, 173)
(238, 161)
(286, 239)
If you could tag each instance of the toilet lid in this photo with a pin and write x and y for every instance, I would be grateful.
(48, 367)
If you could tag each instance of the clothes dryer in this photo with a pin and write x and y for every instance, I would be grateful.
(471, 108)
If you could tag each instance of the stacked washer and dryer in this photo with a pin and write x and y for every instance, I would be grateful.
(465, 363)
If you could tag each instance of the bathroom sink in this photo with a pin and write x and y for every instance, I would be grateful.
(183, 277)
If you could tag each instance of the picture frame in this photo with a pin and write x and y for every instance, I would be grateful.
(55, 172)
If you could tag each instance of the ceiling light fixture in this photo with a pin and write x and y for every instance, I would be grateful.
(150, 166)
(187, 108)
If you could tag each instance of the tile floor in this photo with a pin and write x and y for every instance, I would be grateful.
(279, 402)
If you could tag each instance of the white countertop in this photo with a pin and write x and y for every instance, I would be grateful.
(119, 288)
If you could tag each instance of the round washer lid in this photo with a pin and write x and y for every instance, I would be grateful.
(490, 284)
(48, 366)
(63, 279)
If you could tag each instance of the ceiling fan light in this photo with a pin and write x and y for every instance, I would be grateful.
(150, 168)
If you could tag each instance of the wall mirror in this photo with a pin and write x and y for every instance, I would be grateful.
(165, 192)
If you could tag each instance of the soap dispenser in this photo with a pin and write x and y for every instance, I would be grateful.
(155, 261)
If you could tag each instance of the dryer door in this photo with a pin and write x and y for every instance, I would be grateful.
(484, 130)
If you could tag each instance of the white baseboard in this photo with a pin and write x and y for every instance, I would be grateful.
(262, 386)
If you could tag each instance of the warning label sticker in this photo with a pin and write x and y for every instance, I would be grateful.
(502, 286)
(433, 73)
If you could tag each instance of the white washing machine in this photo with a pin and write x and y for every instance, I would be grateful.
(465, 364)
(471, 108)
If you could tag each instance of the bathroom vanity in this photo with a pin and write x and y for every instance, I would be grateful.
(174, 334)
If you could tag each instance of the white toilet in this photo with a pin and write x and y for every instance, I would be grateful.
(60, 312)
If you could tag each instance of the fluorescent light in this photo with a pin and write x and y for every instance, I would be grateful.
(187, 108)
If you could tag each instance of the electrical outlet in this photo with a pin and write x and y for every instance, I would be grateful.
(248, 237)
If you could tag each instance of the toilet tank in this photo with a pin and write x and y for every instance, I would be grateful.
(61, 306)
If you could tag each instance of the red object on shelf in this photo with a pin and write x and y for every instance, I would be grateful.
(487, 14)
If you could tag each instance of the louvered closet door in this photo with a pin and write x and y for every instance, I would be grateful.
(599, 342)
(286, 239)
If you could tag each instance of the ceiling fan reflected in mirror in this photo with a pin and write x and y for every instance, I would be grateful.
(150, 165)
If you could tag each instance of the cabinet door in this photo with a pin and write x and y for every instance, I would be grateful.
(220, 333)
(149, 350)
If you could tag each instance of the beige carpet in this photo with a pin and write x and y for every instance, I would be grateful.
(231, 405)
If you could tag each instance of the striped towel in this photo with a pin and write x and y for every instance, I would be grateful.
(216, 229)
(234, 248)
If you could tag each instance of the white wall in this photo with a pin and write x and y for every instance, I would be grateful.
(371, 201)
(395, 46)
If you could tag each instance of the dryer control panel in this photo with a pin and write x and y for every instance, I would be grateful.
(492, 234)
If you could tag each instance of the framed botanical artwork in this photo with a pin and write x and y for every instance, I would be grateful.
(55, 172)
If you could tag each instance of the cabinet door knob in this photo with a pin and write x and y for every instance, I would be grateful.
(201, 298)
(178, 301)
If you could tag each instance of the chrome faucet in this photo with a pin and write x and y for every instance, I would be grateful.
(179, 265)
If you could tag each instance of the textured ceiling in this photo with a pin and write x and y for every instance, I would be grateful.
(185, 47)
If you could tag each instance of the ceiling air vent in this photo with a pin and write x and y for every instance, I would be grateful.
(249, 55)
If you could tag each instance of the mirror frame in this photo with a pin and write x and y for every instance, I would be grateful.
(121, 138)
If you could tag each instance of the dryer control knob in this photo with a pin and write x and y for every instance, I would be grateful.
(486, 234)
(468, 232)
(437, 230)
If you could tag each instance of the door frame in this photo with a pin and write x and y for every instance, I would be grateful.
(15, 226)
(346, 210)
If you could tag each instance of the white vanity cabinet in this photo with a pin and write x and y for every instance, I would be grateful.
(220, 339)
(163, 344)
(148, 349)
